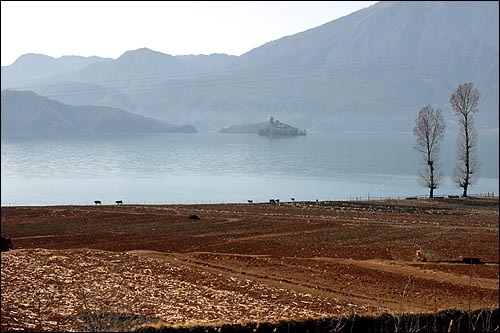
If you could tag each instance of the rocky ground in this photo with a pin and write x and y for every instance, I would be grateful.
(96, 268)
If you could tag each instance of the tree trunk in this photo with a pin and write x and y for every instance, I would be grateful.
(431, 195)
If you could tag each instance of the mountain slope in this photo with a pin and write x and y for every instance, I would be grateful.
(32, 66)
(369, 71)
(26, 112)
(378, 66)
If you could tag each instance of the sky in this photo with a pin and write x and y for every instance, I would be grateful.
(110, 28)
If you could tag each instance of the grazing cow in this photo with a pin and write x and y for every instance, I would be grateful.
(98, 202)
(5, 243)
(250, 201)
(119, 202)
(277, 200)
(272, 201)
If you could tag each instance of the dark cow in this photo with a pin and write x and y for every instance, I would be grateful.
(272, 201)
(5, 243)
(293, 199)
(119, 202)
(98, 202)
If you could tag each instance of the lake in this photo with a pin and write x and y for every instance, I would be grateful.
(221, 168)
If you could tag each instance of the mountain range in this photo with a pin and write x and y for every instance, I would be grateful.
(371, 70)
(24, 112)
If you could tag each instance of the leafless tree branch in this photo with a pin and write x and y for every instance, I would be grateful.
(429, 130)
(464, 102)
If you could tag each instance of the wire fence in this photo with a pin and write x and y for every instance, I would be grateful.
(223, 201)
(416, 197)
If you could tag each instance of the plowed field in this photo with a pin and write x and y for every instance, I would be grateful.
(241, 263)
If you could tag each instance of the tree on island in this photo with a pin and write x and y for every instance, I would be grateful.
(429, 130)
(464, 102)
(276, 128)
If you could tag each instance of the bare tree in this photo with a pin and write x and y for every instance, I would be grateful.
(464, 102)
(429, 130)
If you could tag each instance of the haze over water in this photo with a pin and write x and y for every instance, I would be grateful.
(217, 168)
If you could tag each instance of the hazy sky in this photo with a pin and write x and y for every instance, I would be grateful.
(108, 29)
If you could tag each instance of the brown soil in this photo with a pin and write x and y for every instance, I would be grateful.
(240, 263)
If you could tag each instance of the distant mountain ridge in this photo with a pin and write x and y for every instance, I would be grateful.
(25, 112)
(371, 70)
(33, 66)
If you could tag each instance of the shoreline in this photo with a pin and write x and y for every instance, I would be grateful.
(354, 199)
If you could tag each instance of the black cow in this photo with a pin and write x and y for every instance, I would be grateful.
(5, 243)
(119, 202)
(98, 202)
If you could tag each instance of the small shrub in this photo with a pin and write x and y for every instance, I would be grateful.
(426, 256)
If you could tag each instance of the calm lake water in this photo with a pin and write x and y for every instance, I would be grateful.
(215, 168)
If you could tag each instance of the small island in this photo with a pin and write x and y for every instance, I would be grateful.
(275, 128)
(244, 129)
